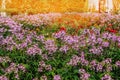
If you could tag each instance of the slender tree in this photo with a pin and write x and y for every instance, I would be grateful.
(3, 7)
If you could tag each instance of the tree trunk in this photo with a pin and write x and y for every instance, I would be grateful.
(3, 7)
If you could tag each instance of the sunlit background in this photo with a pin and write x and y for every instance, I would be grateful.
(45, 6)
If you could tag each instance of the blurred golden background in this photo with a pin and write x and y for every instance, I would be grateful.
(38, 6)
(45, 6)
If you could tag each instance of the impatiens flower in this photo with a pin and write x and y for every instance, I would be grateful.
(57, 77)
(113, 31)
(109, 25)
(62, 29)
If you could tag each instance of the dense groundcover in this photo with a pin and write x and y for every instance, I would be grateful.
(60, 47)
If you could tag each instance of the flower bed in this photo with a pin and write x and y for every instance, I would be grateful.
(58, 51)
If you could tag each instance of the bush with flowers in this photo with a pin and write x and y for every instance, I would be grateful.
(59, 51)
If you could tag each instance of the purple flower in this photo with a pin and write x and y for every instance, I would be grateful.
(76, 46)
(22, 45)
(118, 44)
(48, 67)
(118, 39)
(64, 48)
(3, 77)
(82, 71)
(44, 56)
(105, 44)
(109, 36)
(44, 77)
(74, 61)
(105, 35)
(21, 67)
(12, 68)
(96, 50)
(50, 46)
(109, 68)
(107, 61)
(93, 64)
(68, 39)
(42, 64)
(84, 62)
(117, 63)
(40, 69)
(4, 59)
(20, 36)
(57, 77)
(59, 34)
(114, 38)
(99, 67)
(40, 38)
(106, 77)
(2, 30)
(36, 79)
(34, 50)
(17, 76)
(99, 40)
(85, 76)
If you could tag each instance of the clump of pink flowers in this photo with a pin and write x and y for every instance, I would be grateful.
(34, 50)
(3, 77)
(57, 77)
(83, 74)
(43, 66)
(117, 63)
(106, 77)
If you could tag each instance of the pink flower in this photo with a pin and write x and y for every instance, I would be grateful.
(117, 63)
(34, 50)
(105, 44)
(106, 77)
(57, 77)
(3, 78)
